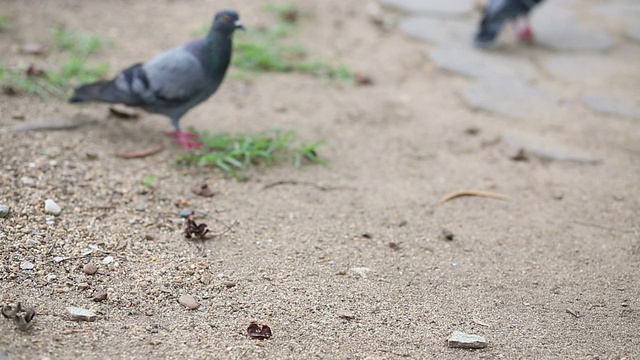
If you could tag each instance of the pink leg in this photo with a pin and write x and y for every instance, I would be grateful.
(525, 33)
(184, 138)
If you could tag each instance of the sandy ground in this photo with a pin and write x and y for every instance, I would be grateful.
(568, 238)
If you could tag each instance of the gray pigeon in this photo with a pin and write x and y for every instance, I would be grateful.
(174, 81)
(497, 13)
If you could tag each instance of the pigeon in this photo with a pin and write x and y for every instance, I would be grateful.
(174, 81)
(497, 12)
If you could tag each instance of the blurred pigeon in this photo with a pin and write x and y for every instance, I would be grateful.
(174, 81)
(497, 13)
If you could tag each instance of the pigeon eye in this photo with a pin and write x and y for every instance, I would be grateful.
(226, 18)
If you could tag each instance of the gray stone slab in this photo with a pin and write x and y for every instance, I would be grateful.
(462, 340)
(547, 148)
(613, 105)
(591, 69)
(628, 12)
(556, 27)
(477, 63)
(438, 31)
(433, 7)
(633, 32)
(511, 97)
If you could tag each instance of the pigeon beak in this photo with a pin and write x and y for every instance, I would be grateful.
(239, 25)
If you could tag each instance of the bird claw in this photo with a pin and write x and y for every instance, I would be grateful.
(184, 138)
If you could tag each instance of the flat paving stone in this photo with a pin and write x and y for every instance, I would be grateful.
(613, 105)
(592, 69)
(438, 31)
(556, 27)
(547, 148)
(633, 32)
(628, 12)
(478, 64)
(511, 97)
(433, 7)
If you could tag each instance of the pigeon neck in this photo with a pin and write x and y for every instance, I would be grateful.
(219, 51)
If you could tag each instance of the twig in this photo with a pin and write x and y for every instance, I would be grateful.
(481, 193)
(586, 223)
(295, 182)
(42, 125)
(139, 154)
(229, 227)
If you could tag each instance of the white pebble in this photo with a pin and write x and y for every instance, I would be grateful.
(107, 260)
(50, 207)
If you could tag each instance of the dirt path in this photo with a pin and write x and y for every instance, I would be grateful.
(363, 238)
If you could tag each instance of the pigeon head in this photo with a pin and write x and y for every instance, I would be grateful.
(227, 21)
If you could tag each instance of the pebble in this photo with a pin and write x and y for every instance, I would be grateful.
(462, 340)
(90, 269)
(185, 213)
(80, 314)
(50, 207)
(188, 301)
(139, 207)
(362, 271)
(31, 182)
(58, 259)
(83, 285)
(27, 265)
(107, 260)
(4, 211)
(346, 314)
(100, 296)
(230, 284)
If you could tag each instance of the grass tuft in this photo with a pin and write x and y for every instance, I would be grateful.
(234, 153)
(73, 71)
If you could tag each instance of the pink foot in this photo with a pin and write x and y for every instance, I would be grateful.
(184, 138)
(525, 35)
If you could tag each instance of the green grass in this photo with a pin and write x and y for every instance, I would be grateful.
(4, 20)
(74, 50)
(268, 49)
(235, 153)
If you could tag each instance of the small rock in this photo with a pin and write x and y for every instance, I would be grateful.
(466, 341)
(99, 296)
(230, 284)
(80, 314)
(90, 269)
(362, 271)
(28, 181)
(188, 301)
(107, 260)
(346, 314)
(50, 207)
(447, 234)
(185, 213)
(4, 211)
(83, 285)
(58, 259)
(139, 207)
(27, 265)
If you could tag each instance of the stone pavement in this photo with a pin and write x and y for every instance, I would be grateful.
(587, 51)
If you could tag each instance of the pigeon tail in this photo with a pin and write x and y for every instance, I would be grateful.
(104, 91)
(89, 92)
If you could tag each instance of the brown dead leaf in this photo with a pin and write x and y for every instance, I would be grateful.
(258, 332)
(203, 190)
(123, 112)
